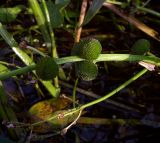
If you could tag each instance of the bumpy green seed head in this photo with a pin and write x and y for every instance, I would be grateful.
(47, 68)
(86, 70)
(140, 47)
(88, 49)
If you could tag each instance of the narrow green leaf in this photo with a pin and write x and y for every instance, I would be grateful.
(14, 45)
(41, 21)
(25, 58)
(3, 98)
(93, 9)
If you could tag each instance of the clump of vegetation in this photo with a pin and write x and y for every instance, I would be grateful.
(47, 58)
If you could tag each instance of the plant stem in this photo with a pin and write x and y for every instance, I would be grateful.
(128, 57)
(155, 13)
(25, 58)
(54, 49)
(115, 90)
(17, 72)
(81, 19)
(36, 51)
(78, 109)
(103, 57)
(74, 92)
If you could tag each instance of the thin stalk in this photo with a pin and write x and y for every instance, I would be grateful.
(9, 64)
(53, 42)
(78, 29)
(17, 72)
(155, 13)
(115, 90)
(78, 109)
(54, 49)
(128, 57)
(103, 57)
(64, 113)
(36, 51)
(74, 93)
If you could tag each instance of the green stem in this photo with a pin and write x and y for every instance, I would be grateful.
(155, 13)
(9, 64)
(103, 57)
(25, 58)
(115, 90)
(127, 57)
(54, 49)
(75, 110)
(36, 51)
(74, 93)
(17, 72)
(53, 42)
(64, 113)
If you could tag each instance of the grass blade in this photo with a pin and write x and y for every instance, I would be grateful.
(25, 58)
(93, 9)
(41, 21)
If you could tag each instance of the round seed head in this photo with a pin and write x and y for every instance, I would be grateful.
(47, 68)
(86, 70)
(141, 47)
(88, 49)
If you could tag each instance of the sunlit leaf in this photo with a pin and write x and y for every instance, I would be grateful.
(9, 14)
(3, 69)
(45, 110)
(93, 9)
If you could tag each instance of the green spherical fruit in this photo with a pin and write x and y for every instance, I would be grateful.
(86, 70)
(47, 68)
(88, 49)
(141, 47)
